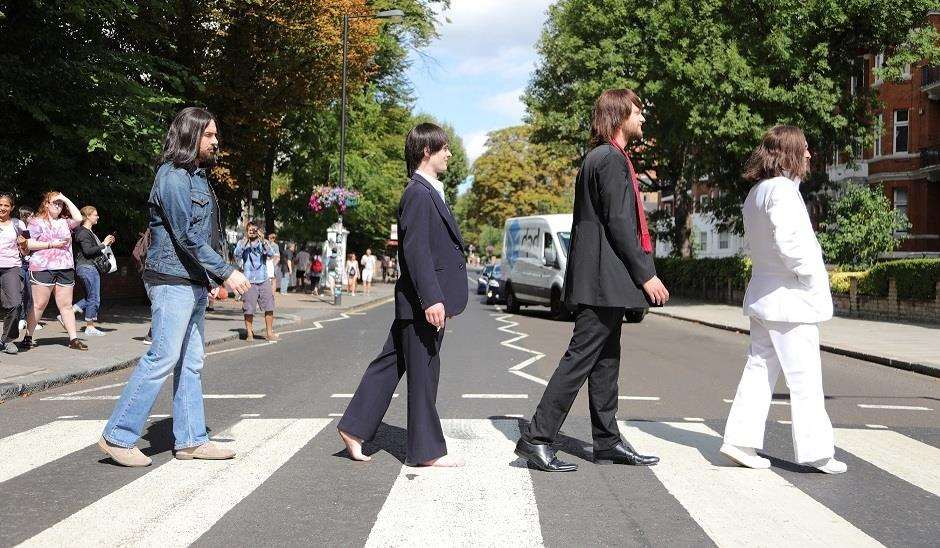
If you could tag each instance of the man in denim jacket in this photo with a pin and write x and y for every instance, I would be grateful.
(184, 264)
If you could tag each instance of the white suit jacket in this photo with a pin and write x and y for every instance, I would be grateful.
(789, 282)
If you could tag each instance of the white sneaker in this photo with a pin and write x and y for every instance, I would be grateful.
(831, 466)
(77, 309)
(94, 332)
(22, 325)
(39, 327)
(745, 456)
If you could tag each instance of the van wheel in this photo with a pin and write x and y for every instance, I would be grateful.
(559, 310)
(512, 304)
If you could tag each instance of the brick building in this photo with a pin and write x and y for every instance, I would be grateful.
(906, 155)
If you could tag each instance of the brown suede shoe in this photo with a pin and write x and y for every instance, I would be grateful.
(206, 451)
(76, 344)
(125, 456)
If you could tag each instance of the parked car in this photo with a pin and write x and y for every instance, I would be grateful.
(535, 256)
(484, 278)
(494, 287)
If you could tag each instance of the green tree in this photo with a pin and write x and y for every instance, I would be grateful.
(714, 74)
(861, 225)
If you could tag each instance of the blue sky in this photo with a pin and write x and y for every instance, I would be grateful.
(473, 75)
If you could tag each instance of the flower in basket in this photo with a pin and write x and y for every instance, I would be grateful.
(325, 197)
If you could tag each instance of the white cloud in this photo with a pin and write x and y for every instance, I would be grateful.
(475, 144)
(481, 27)
(508, 104)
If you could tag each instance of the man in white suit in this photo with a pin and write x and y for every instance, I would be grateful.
(787, 296)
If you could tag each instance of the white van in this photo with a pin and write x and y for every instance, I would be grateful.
(535, 256)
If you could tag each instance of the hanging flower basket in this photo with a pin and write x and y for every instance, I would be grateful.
(326, 197)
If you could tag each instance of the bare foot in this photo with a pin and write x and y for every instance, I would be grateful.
(273, 337)
(250, 337)
(447, 461)
(353, 447)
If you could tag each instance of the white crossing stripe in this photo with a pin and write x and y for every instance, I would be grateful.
(488, 502)
(913, 461)
(351, 395)
(31, 449)
(178, 502)
(737, 506)
(495, 396)
(895, 407)
(639, 398)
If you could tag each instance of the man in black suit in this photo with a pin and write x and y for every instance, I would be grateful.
(610, 268)
(432, 287)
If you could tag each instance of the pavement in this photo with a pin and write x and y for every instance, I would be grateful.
(293, 485)
(52, 364)
(908, 346)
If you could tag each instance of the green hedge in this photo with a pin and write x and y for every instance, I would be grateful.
(692, 273)
(915, 278)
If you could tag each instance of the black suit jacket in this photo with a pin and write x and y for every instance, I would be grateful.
(606, 264)
(433, 268)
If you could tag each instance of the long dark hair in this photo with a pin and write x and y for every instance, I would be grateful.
(181, 146)
(781, 152)
(423, 137)
(611, 110)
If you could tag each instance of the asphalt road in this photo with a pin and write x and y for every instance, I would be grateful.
(292, 485)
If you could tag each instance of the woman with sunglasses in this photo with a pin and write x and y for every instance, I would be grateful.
(51, 265)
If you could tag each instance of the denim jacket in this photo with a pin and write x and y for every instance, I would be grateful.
(181, 206)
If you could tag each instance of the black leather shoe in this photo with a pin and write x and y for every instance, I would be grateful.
(623, 454)
(542, 457)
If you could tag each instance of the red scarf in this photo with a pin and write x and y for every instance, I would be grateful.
(643, 233)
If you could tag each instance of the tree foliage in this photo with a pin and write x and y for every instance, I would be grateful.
(715, 74)
(860, 227)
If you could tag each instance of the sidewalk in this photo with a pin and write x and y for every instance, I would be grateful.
(52, 364)
(913, 347)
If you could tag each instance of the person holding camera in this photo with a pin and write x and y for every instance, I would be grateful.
(253, 252)
(90, 262)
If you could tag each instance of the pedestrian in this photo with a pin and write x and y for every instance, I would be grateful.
(183, 263)
(87, 248)
(316, 271)
(51, 264)
(368, 271)
(352, 273)
(432, 288)
(253, 252)
(303, 267)
(385, 268)
(274, 261)
(286, 267)
(11, 278)
(25, 214)
(787, 297)
(610, 269)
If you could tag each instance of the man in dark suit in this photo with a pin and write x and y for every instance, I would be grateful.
(432, 287)
(610, 268)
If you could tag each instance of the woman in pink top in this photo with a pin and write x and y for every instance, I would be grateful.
(11, 281)
(51, 266)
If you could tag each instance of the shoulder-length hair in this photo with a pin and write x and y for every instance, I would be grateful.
(422, 138)
(611, 110)
(42, 212)
(181, 146)
(782, 152)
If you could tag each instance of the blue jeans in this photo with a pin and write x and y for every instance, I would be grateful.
(178, 313)
(285, 283)
(92, 282)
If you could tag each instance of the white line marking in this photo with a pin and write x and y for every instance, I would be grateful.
(176, 512)
(689, 452)
(68, 417)
(693, 419)
(236, 349)
(772, 402)
(639, 398)
(79, 398)
(495, 396)
(336, 414)
(785, 422)
(898, 407)
(351, 395)
(93, 389)
(514, 416)
(159, 416)
(485, 503)
(31, 449)
(877, 426)
(913, 461)
(233, 396)
(205, 396)
(250, 415)
(508, 343)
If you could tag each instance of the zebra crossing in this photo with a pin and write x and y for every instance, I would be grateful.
(492, 501)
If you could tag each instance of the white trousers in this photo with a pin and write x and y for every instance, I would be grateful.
(794, 349)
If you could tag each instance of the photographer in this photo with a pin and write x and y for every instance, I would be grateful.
(253, 252)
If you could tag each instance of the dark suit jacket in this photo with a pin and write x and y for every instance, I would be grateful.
(433, 268)
(606, 264)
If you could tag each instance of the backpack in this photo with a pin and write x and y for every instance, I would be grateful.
(140, 250)
(317, 266)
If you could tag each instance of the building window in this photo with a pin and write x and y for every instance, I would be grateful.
(702, 243)
(900, 201)
(900, 130)
(877, 150)
(724, 240)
